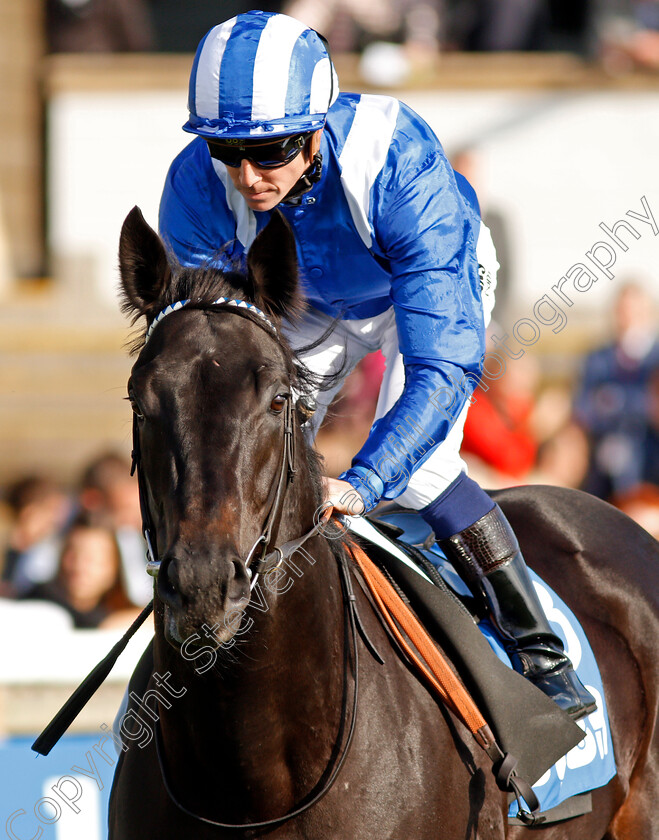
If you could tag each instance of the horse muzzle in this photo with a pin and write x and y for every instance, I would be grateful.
(205, 599)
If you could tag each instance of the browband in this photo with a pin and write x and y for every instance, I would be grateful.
(239, 304)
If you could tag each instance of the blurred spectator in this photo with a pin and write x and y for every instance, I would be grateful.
(641, 503)
(357, 399)
(651, 436)
(628, 34)
(39, 509)
(493, 25)
(570, 27)
(612, 397)
(513, 25)
(88, 582)
(396, 37)
(562, 458)
(98, 26)
(108, 490)
(350, 25)
(498, 430)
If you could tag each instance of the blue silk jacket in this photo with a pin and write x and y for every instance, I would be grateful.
(388, 224)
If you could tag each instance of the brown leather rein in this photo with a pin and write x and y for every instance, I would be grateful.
(413, 640)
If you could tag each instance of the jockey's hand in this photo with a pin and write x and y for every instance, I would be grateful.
(343, 497)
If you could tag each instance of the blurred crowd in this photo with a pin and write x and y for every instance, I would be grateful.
(80, 549)
(77, 549)
(597, 431)
(624, 34)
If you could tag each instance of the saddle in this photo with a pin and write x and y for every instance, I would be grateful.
(526, 723)
(513, 718)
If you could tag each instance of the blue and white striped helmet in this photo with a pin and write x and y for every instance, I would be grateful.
(260, 73)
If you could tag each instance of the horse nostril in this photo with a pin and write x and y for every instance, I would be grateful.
(237, 587)
(168, 583)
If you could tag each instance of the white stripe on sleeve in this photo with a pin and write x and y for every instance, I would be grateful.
(364, 155)
(488, 266)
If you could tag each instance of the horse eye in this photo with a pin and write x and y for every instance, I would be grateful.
(278, 403)
(135, 406)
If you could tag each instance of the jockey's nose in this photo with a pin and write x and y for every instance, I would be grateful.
(249, 174)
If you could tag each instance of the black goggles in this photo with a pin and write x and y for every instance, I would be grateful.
(264, 155)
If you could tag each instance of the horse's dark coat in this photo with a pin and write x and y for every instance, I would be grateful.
(253, 735)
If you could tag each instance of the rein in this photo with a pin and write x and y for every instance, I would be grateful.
(352, 623)
(257, 564)
(422, 653)
(269, 558)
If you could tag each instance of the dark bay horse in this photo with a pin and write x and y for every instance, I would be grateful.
(255, 716)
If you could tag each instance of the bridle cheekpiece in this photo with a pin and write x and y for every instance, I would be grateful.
(269, 556)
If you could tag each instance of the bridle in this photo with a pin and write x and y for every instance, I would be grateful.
(260, 562)
(269, 557)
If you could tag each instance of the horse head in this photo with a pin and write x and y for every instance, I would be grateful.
(211, 392)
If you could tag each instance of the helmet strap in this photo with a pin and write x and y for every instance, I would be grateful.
(306, 182)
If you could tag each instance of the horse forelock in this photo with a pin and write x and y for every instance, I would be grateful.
(201, 286)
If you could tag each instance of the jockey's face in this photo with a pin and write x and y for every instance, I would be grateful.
(264, 189)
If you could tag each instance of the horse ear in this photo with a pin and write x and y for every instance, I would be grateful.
(143, 265)
(272, 269)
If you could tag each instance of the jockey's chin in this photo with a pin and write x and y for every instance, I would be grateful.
(261, 201)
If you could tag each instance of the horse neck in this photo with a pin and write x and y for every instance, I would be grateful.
(276, 690)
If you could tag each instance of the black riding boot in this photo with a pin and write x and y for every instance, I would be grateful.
(487, 556)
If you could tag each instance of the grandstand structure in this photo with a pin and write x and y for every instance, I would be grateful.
(63, 364)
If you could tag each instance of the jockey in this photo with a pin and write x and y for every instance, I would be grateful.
(392, 251)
